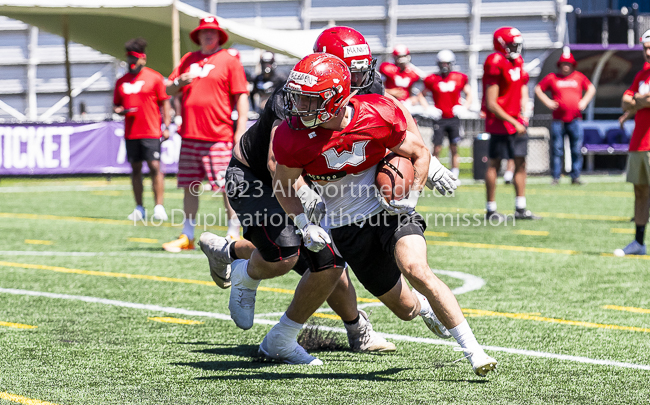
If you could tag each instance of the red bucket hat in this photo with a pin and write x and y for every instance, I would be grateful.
(209, 23)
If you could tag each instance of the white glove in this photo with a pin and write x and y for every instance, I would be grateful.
(459, 110)
(441, 178)
(312, 203)
(403, 206)
(434, 113)
(313, 236)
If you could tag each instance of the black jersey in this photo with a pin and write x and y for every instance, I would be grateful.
(255, 142)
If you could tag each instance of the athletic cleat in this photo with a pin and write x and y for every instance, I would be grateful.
(242, 299)
(289, 353)
(525, 214)
(217, 250)
(137, 214)
(482, 364)
(232, 238)
(159, 213)
(494, 216)
(634, 248)
(363, 338)
(435, 325)
(182, 243)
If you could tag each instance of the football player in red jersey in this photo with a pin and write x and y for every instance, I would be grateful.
(505, 94)
(337, 141)
(399, 77)
(445, 89)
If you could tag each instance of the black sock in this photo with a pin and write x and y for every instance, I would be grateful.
(233, 254)
(353, 322)
(640, 233)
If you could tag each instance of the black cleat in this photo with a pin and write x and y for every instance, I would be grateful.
(494, 215)
(577, 181)
(525, 214)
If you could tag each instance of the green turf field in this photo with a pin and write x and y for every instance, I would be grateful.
(83, 293)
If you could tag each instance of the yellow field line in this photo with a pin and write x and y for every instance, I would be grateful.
(628, 309)
(167, 319)
(17, 325)
(38, 242)
(142, 240)
(112, 193)
(326, 316)
(481, 312)
(531, 233)
(22, 400)
(622, 230)
(644, 257)
(502, 247)
(436, 234)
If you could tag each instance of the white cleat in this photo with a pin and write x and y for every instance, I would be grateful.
(363, 338)
(634, 248)
(242, 299)
(159, 213)
(431, 320)
(137, 215)
(217, 250)
(481, 363)
(289, 352)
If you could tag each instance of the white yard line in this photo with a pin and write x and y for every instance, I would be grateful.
(54, 189)
(187, 312)
(93, 254)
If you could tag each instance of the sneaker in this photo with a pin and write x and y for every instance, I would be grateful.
(634, 248)
(138, 214)
(159, 213)
(217, 250)
(577, 181)
(290, 352)
(493, 216)
(182, 243)
(242, 299)
(555, 182)
(526, 214)
(363, 338)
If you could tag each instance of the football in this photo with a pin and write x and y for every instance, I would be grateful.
(394, 177)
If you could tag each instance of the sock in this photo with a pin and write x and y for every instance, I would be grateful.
(354, 321)
(520, 203)
(188, 228)
(465, 337)
(425, 307)
(508, 175)
(233, 226)
(233, 253)
(640, 234)
(455, 171)
(247, 281)
(288, 328)
(491, 206)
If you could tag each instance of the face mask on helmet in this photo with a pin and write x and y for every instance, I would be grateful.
(445, 67)
(513, 49)
(363, 73)
(309, 107)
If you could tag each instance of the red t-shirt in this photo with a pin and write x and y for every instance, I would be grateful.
(209, 100)
(378, 124)
(641, 136)
(396, 78)
(144, 93)
(446, 91)
(567, 91)
(511, 77)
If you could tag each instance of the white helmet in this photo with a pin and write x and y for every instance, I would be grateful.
(446, 56)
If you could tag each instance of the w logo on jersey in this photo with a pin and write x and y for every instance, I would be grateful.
(353, 158)
(447, 87)
(132, 88)
(644, 87)
(401, 81)
(197, 71)
(515, 74)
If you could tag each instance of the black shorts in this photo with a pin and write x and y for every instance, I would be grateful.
(267, 226)
(369, 248)
(448, 126)
(508, 146)
(142, 150)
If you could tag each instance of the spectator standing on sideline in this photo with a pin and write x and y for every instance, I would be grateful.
(212, 83)
(636, 99)
(505, 93)
(266, 82)
(571, 92)
(138, 96)
(445, 89)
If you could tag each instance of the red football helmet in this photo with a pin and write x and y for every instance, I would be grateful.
(508, 41)
(401, 54)
(567, 57)
(316, 90)
(350, 46)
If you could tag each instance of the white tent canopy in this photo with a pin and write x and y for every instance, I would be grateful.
(106, 25)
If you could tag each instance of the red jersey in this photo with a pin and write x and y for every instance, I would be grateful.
(511, 77)
(378, 124)
(144, 93)
(567, 91)
(446, 91)
(396, 78)
(209, 100)
(641, 136)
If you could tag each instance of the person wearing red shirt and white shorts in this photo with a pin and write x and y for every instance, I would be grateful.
(505, 94)
(212, 83)
(138, 96)
(566, 87)
(636, 99)
(445, 90)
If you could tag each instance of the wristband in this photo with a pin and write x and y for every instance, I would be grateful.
(301, 221)
(175, 82)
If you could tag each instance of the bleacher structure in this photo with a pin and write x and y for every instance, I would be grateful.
(32, 72)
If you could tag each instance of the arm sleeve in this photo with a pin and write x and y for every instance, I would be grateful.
(585, 82)
(634, 86)
(177, 70)
(161, 90)
(238, 82)
(545, 83)
(394, 119)
(465, 80)
(491, 72)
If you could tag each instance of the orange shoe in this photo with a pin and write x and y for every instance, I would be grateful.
(182, 243)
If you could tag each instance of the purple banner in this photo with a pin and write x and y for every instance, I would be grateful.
(73, 148)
